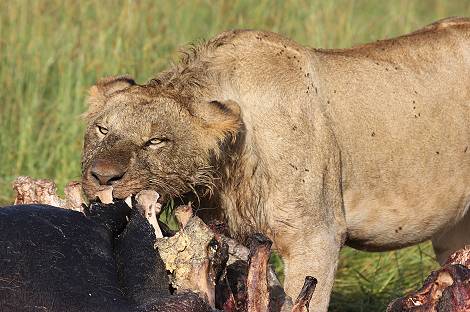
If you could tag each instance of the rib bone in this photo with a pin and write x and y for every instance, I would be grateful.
(146, 203)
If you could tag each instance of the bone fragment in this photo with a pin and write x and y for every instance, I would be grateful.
(205, 277)
(73, 196)
(40, 191)
(303, 300)
(183, 214)
(257, 283)
(105, 194)
(186, 257)
(236, 250)
(146, 203)
(199, 279)
(447, 289)
(461, 256)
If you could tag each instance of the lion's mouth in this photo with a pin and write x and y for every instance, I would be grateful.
(170, 202)
(108, 194)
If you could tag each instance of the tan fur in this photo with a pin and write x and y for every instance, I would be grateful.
(368, 146)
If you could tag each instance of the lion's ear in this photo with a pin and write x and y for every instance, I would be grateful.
(222, 117)
(104, 88)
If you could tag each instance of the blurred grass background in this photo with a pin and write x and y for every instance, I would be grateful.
(51, 52)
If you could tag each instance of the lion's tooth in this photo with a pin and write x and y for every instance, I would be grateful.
(158, 208)
(128, 201)
(105, 194)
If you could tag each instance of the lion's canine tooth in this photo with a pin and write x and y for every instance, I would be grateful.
(105, 194)
(128, 201)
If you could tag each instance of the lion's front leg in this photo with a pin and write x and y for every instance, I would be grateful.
(310, 239)
(310, 229)
(315, 253)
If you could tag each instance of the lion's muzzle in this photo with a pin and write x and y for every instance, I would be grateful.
(106, 172)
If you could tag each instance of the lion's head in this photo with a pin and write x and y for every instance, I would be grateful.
(153, 137)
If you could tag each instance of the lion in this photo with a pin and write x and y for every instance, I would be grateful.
(366, 147)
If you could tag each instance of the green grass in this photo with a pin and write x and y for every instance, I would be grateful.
(52, 51)
(368, 281)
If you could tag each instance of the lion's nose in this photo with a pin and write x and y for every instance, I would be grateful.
(107, 173)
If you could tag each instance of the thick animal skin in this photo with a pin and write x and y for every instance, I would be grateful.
(57, 260)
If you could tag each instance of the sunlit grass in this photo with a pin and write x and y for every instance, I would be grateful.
(368, 281)
(51, 52)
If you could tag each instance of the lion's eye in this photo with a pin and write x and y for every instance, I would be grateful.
(102, 130)
(156, 142)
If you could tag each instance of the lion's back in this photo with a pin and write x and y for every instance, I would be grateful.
(400, 112)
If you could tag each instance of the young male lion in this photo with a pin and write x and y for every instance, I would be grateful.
(367, 146)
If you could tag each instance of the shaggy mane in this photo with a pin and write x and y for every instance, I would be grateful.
(190, 76)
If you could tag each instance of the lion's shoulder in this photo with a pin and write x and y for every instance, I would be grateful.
(252, 40)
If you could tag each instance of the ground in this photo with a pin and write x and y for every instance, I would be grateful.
(51, 52)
